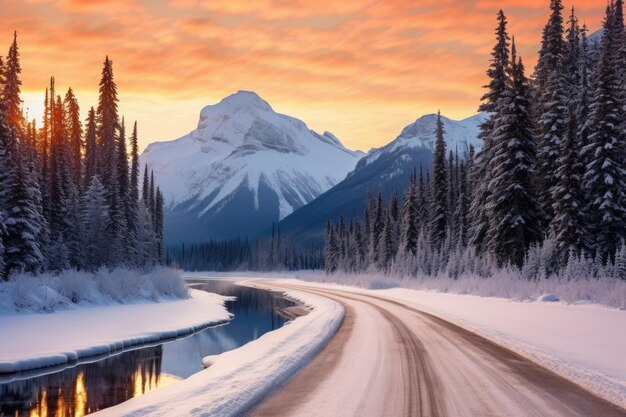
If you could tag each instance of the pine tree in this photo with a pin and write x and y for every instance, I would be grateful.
(551, 103)
(59, 171)
(145, 189)
(387, 245)
(461, 211)
(604, 180)
(134, 168)
(583, 102)
(495, 92)
(5, 178)
(552, 47)
(160, 248)
(152, 198)
(568, 224)
(11, 101)
(123, 192)
(22, 251)
(572, 57)
(512, 206)
(91, 150)
(94, 223)
(2, 75)
(409, 221)
(107, 120)
(146, 239)
(330, 249)
(74, 131)
(439, 221)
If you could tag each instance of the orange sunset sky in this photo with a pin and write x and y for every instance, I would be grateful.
(360, 69)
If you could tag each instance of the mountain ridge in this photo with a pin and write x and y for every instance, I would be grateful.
(386, 169)
(243, 158)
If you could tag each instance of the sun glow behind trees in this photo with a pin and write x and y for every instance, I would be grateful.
(69, 198)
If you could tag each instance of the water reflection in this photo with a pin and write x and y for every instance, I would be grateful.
(86, 388)
(89, 387)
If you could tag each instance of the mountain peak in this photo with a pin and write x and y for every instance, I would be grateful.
(244, 98)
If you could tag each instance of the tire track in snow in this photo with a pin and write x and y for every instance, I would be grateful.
(436, 359)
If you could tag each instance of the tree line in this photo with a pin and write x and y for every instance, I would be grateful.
(548, 185)
(70, 195)
(272, 254)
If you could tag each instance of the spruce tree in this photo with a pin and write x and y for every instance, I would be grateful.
(330, 249)
(146, 250)
(2, 76)
(22, 251)
(572, 57)
(94, 223)
(439, 210)
(5, 179)
(478, 175)
(550, 104)
(91, 151)
(604, 180)
(461, 211)
(107, 120)
(160, 243)
(568, 223)
(74, 130)
(123, 192)
(145, 189)
(409, 220)
(134, 167)
(152, 198)
(11, 101)
(512, 205)
(59, 171)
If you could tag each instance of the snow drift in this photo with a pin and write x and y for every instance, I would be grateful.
(48, 292)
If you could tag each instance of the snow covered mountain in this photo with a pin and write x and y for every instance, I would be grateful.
(243, 168)
(386, 169)
(420, 135)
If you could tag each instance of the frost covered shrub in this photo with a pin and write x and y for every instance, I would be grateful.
(75, 286)
(574, 286)
(167, 281)
(49, 292)
(123, 285)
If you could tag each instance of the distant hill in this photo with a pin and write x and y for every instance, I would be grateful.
(385, 169)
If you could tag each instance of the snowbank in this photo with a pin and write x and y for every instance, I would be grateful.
(238, 379)
(32, 341)
(606, 291)
(582, 343)
(71, 289)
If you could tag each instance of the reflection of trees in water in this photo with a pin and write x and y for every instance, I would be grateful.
(90, 387)
(86, 388)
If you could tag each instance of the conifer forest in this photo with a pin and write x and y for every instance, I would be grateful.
(72, 193)
(545, 194)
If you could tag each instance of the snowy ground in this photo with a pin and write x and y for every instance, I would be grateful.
(239, 379)
(31, 341)
(583, 343)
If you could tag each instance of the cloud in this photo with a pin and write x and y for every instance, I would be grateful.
(335, 64)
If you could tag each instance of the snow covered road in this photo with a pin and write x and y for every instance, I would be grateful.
(390, 359)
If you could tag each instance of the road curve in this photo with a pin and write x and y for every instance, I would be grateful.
(388, 359)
